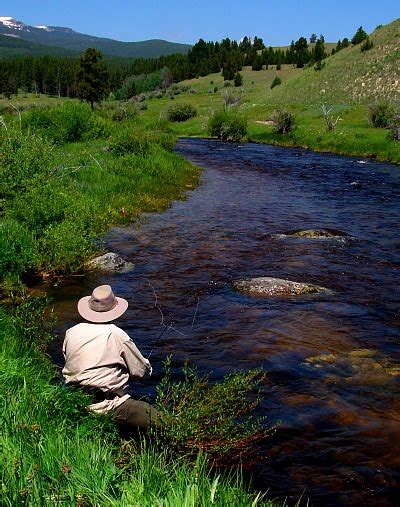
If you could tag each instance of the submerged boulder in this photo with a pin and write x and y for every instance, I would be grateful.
(109, 262)
(269, 286)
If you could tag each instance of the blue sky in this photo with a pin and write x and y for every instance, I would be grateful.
(276, 21)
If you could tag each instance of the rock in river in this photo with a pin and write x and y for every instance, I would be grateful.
(268, 286)
(110, 262)
(317, 233)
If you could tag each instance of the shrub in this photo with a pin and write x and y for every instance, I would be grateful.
(17, 248)
(278, 66)
(24, 156)
(139, 142)
(216, 418)
(276, 82)
(227, 83)
(65, 124)
(130, 141)
(180, 112)
(227, 125)
(395, 128)
(283, 121)
(238, 79)
(215, 89)
(382, 114)
(367, 45)
(124, 111)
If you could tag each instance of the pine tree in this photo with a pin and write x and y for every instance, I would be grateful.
(359, 36)
(92, 77)
(313, 38)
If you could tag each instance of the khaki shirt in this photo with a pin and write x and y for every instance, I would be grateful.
(102, 356)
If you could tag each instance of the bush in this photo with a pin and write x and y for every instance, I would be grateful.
(382, 114)
(180, 112)
(276, 82)
(65, 124)
(367, 45)
(283, 121)
(17, 248)
(238, 79)
(227, 125)
(139, 142)
(216, 418)
(124, 111)
(23, 157)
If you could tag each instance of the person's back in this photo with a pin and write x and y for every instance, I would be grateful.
(100, 358)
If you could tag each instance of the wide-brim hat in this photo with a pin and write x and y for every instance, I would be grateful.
(102, 305)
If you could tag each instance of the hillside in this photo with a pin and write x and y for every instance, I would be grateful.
(352, 75)
(67, 38)
(11, 47)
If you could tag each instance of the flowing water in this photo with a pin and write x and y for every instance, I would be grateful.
(332, 359)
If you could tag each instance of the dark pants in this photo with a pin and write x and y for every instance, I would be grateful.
(135, 414)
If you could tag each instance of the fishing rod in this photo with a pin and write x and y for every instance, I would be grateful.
(166, 328)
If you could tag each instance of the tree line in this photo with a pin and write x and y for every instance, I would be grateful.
(59, 76)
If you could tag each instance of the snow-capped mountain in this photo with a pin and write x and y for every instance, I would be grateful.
(67, 38)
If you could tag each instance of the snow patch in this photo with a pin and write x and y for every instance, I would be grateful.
(11, 23)
(43, 27)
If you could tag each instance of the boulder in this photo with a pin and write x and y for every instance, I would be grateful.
(316, 233)
(109, 262)
(268, 286)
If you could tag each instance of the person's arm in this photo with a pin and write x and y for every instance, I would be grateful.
(137, 365)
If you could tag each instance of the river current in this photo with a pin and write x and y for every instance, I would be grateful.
(332, 360)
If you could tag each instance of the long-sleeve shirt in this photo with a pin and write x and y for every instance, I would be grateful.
(102, 356)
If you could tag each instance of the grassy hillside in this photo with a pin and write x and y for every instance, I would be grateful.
(352, 76)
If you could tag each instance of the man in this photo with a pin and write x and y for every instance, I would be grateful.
(100, 358)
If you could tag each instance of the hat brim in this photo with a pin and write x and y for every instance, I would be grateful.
(98, 317)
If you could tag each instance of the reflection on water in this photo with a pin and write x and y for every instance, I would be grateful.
(332, 359)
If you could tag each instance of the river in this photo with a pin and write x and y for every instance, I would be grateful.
(332, 360)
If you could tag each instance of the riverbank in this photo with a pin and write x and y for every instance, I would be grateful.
(66, 177)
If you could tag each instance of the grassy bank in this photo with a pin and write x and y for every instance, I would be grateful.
(55, 453)
(66, 175)
(354, 135)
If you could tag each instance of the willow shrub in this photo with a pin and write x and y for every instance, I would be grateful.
(216, 418)
(138, 141)
(180, 112)
(227, 125)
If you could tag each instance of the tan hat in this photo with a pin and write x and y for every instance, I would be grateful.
(102, 305)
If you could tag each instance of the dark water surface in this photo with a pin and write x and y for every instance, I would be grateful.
(332, 360)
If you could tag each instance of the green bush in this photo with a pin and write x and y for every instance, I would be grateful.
(24, 156)
(138, 141)
(18, 251)
(218, 418)
(180, 112)
(238, 79)
(227, 125)
(381, 115)
(283, 121)
(65, 124)
(276, 82)
(125, 111)
(367, 45)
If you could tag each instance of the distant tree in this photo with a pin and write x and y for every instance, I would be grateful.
(322, 38)
(92, 77)
(345, 43)
(319, 51)
(302, 55)
(258, 43)
(245, 44)
(238, 79)
(313, 38)
(276, 82)
(359, 36)
(257, 63)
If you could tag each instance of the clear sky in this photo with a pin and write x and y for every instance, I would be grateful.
(276, 21)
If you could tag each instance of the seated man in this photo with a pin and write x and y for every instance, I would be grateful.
(100, 358)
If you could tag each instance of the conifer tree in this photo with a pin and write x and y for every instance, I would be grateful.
(359, 36)
(92, 77)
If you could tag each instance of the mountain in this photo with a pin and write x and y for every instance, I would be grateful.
(68, 39)
(351, 75)
(11, 47)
